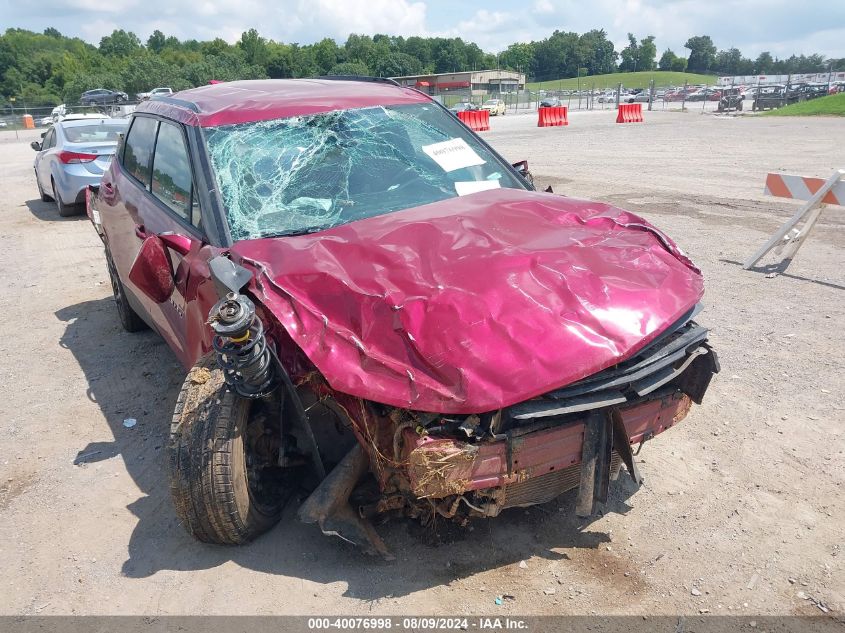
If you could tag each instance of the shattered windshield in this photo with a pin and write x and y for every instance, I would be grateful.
(308, 173)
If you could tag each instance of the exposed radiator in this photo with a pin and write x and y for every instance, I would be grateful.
(546, 487)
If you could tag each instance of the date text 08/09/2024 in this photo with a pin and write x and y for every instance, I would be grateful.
(418, 623)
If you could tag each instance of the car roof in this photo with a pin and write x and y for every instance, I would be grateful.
(76, 121)
(234, 102)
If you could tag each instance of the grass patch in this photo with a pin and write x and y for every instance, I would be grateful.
(628, 80)
(831, 105)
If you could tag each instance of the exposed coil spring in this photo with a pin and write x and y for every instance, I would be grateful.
(247, 367)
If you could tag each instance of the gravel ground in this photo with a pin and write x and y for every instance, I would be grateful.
(742, 509)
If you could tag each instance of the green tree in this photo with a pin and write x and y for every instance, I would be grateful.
(254, 47)
(156, 41)
(518, 57)
(326, 55)
(630, 55)
(647, 53)
(702, 53)
(350, 68)
(666, 59)
(120, 44)
(679, 65)
(764, 63)
(597, 52)
(397, 65)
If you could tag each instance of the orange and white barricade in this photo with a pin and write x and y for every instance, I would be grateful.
(818, 193)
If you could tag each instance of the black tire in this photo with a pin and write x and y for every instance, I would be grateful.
(215, 496)
(44, 196)
(129, 319)
(65, 210)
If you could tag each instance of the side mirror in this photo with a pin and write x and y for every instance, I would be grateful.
(178, 243)
(522, 169)
(152, 272)
(36, 146)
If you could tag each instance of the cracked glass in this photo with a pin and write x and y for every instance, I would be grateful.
(304, 174)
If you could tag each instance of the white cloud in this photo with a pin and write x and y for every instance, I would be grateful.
(339, 18)
(779, 26)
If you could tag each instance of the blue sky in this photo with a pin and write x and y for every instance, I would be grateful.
(779, 26)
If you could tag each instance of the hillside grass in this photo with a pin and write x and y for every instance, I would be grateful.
(831, 105)
(628, 80)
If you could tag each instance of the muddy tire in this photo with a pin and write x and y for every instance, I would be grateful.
(211, 486)
(129, 319)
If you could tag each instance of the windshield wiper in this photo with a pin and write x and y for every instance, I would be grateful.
(306, 231)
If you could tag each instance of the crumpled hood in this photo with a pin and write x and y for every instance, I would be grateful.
(474, 303)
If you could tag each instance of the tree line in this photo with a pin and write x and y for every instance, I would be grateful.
(49, 68)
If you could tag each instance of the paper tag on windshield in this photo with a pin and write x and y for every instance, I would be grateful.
(466, 188)
(453, 154)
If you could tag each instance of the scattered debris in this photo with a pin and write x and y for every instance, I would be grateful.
(130, 422)
(200, 375)
(550, 591)
(523, 564)
(752, 582)
(694, 591)
(792, 581)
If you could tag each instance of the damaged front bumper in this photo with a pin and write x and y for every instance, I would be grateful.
(526, 454)
(576, 436)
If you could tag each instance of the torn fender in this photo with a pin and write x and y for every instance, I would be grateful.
(474, 303)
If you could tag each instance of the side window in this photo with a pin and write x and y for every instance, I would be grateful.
(49, 140)
(139, 148)
(172, 172)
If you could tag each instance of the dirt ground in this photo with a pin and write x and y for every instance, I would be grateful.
(742, 510)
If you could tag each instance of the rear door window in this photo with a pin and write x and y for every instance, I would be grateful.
(139, 149)
(171, 179)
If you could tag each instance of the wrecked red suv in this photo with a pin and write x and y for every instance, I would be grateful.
(382, 314)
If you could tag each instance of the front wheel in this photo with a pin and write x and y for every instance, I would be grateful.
(224, 480)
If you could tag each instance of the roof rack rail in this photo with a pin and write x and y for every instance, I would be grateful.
(177, 102)
(386, 80)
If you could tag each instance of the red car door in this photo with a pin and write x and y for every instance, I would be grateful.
(153, 229)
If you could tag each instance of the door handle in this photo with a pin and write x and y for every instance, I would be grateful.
(141, 232)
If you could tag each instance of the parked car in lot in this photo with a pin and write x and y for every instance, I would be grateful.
(463, 106)
(155, 92)
(551, 102)
(3, 123)
(373, 304)
(705, 94)
(772, 96)
(101, 96)
(73, 154)
(730, 99)
(494, 107)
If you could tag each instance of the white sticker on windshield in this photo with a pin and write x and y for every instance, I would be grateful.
(453, 154)
(466, 188)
